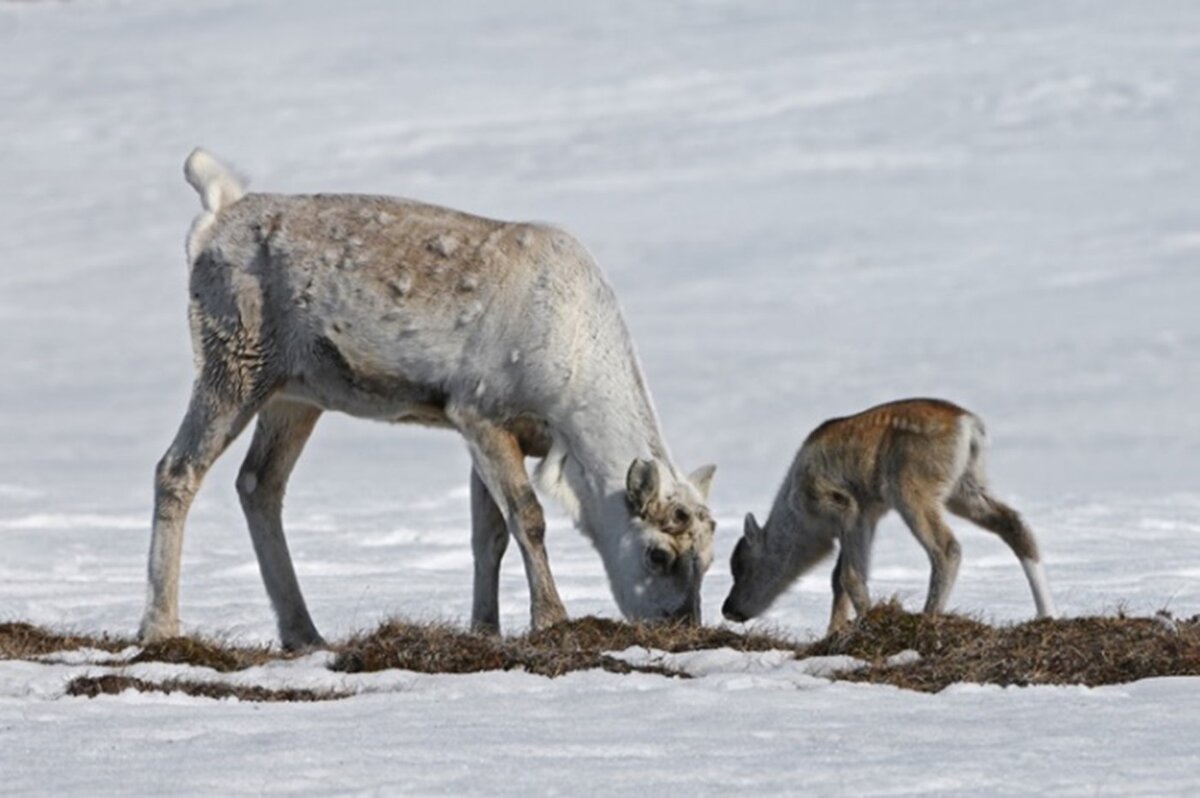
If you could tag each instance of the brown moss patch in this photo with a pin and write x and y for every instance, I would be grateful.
(205, 654)
(20, 640)
(427, 648)
(887, 629)
(570, 646)
(603, 634)
(114, 684)
(1089, 651)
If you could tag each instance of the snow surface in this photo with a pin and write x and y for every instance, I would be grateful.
(805, 208)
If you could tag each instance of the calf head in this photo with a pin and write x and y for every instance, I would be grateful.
(759, 574)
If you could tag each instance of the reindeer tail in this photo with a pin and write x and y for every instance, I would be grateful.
(218, 187)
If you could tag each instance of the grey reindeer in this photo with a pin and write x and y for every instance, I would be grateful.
(916, 456)
(394, 310)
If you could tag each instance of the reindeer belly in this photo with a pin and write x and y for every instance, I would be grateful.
(332, 378)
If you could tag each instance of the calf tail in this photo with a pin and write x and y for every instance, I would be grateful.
(969, 471)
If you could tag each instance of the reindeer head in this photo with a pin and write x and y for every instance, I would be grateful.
(670, 542)
(758, 575)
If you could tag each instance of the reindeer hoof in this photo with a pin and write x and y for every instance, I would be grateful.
(154, 630)
(547, 618)
(305, 645)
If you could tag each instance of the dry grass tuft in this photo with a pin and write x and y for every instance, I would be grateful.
(25, 641)
(1089, 651)
(603, 634)
(435, 648)
(570, 646)
(205, 654)
(887, 629)
(114, 684)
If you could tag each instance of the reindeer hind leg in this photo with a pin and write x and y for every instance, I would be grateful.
(279, 437)
(213, 419)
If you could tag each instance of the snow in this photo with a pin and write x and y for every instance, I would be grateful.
(805, 209)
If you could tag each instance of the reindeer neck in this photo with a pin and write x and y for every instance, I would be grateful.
(792, 538)
(607, 435)
(609, 423)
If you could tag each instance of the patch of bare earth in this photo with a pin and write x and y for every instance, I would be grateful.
(570, 646)
(952, 648)
(1089, 651)
(114, 684)
(25, 641)
(206, 654)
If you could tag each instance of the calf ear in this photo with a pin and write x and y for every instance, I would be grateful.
(642, 485)
(702, 478)
(841, 502)
(751, 529)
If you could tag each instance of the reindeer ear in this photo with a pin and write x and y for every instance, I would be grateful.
(751, 529)
(642, 484)
(702, 478)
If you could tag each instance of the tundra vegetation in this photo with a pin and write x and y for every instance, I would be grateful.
(951, 649)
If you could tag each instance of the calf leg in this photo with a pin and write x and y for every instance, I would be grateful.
(839, 613)
(489, 540)
(843, 605)
(972, 502)
(924, 518)
(498, 460)
(282, 430)
(853, 566)
(214, 418)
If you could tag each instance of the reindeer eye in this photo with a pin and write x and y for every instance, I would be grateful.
(658, 558)
(682, 516)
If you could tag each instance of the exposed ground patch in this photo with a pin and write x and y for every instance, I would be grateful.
(24, 641)
(114, 684)
(1089, 651)
(574, 645)
(206, 653)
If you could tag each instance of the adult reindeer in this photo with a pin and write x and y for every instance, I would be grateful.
(393, 310)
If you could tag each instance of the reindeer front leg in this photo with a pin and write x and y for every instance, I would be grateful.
(489, 540)
(500, 464)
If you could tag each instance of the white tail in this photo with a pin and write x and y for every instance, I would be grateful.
(218, 188)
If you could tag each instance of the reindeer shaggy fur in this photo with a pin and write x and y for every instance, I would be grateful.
(394, 310)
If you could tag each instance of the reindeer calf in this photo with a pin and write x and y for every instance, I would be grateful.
(915, 456)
